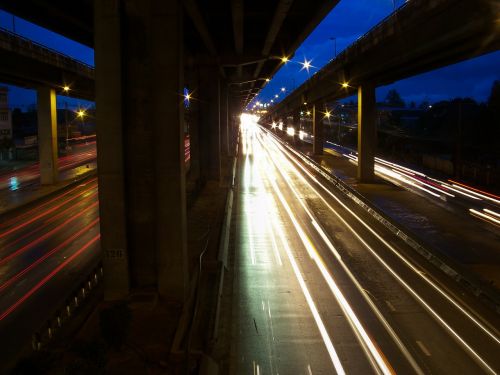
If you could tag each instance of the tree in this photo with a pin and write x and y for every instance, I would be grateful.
(494, 99)
(393, 99)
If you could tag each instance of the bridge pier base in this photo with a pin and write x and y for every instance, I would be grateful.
(318, 132)
(47, 135)
(140, 144)
(367, 133)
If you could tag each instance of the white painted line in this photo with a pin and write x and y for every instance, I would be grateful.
(423, 348)
(391, 306)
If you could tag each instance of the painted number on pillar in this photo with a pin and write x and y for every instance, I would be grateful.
(114, 254)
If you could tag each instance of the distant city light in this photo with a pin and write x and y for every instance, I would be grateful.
(283, 89)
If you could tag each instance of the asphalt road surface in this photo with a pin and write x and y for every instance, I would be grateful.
(322, 288)
(45, 251)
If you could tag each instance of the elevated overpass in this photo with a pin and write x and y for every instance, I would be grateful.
(28, 64)
(146, 53)
(420, 36)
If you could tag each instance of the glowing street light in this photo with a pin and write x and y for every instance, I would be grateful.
(283, 89)
(80, 113)
(284, 59)
(306, 65)
(308, 113)
(345, 85)
(276, 96)
(65, 88)
(328, 114)
(267, 79)
(187, 96)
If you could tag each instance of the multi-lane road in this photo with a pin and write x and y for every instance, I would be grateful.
(46, 250)
(81, 154)
(320, 287)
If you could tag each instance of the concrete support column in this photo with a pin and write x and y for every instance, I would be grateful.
(367, 132)
(139, 83)
(224, 119)
(210, 117)
(47, 135)
(296, 120)
(193, 118)
(317, 125)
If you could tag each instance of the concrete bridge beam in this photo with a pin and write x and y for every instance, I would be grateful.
(318, 132)
(140, 144)
(47, 135)
(367, 132)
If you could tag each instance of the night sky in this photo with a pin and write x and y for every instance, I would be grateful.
(349, 20)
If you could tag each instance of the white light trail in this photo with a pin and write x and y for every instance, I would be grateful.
(438, 318)
(365, 340)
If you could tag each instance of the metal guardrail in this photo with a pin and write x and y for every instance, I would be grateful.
(40, 49)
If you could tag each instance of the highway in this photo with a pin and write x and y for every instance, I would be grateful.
(46, 251)
(81, 154)
(480, 204)
(323, 288)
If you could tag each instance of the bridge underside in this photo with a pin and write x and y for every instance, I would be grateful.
(146, 53)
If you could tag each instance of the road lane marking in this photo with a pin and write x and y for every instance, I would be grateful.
(391, 306)
(423, 348)
(438, 318)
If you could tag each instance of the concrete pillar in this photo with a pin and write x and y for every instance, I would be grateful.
(224, 118)
(139, 84)
(192, 82)
(317, 125)
(367, 132)
(296, 120)
(47, 135)
(210, 116)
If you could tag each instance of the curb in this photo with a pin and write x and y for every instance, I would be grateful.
(223, 249)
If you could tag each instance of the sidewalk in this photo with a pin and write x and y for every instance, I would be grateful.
(472, 245)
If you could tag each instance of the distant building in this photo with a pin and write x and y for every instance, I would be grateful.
(5, 115)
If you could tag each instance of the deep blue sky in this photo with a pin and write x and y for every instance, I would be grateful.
(349, 20)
